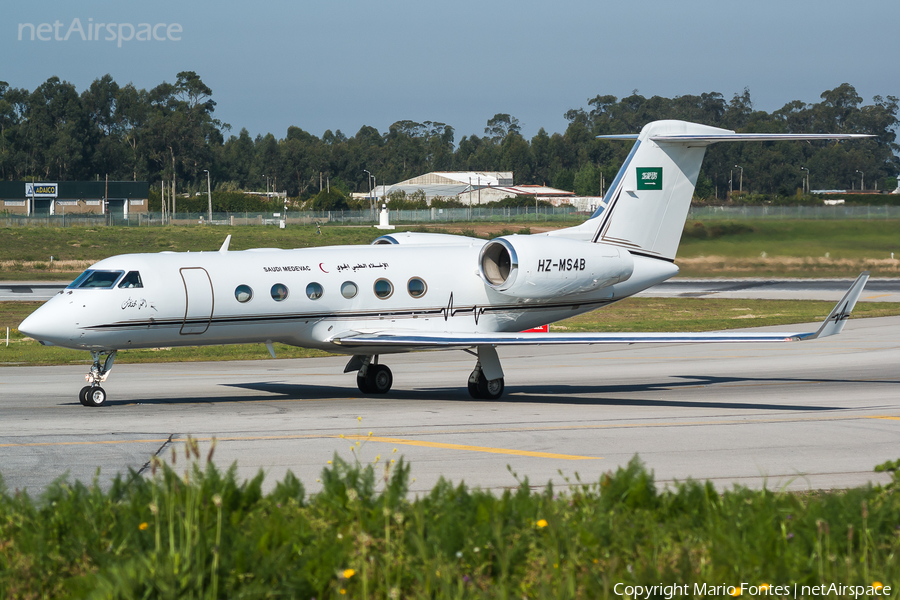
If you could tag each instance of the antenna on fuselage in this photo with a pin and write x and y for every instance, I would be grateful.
(225, 244)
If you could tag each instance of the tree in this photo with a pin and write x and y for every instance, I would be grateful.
(501, 125)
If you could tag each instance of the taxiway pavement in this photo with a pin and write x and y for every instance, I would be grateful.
(804, 415)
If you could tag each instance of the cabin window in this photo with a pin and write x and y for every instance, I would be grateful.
(383, 289)
(314, 290)
(279, 292)
(349, 289)
(131, 280)
(97, 279)
(243, 293)
(416, 287)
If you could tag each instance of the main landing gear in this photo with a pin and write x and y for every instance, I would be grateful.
(485, 382)
(92, 394)
(371, 378)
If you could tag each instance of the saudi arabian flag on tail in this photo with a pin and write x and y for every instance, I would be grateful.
(649, 178)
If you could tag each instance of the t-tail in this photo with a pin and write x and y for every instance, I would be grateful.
(647, 203)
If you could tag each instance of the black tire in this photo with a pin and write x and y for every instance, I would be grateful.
(379, 379)
(95, 397)
(82, 395)
(363, 384)
(490, 390)
(473, 391)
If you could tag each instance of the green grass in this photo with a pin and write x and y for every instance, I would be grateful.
(198, 533)
(632, 314)
(793, 248)
(711, 314)
(849, 239)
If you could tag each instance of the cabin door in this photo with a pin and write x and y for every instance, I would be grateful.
(198, 300)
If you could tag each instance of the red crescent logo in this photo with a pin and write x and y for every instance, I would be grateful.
(323, 270)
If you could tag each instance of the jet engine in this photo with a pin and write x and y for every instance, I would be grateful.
(546, 267)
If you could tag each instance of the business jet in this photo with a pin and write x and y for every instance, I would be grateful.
(413, 291)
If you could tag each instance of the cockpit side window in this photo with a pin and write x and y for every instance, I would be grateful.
(97, 279)
(131, 280)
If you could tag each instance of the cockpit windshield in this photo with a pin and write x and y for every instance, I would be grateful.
(96, 279)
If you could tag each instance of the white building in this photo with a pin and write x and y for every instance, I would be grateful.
(474, 188)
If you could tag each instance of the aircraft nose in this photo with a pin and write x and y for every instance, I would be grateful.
(40, 326)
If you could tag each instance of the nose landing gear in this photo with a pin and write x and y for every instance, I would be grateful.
(93, 395)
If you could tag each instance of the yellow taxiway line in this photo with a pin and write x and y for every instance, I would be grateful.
(489, 450)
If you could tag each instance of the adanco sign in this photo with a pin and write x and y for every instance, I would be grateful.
(41, 190)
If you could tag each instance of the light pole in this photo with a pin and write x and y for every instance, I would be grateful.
(369, 181)
(807, 178)
(863, 180)
(208, 196)
(741, 185)
(266, 177)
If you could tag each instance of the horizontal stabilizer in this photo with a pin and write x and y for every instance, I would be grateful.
(832, 325)
(756, 137)
(739, 137)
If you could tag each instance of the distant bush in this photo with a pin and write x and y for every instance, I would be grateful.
(698, 230)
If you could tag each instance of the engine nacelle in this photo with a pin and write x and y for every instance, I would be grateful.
(544, 267)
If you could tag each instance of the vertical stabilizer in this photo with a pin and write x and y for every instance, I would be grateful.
(649, 198)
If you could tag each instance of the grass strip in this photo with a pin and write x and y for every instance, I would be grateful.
(200, 533)
(757, 248)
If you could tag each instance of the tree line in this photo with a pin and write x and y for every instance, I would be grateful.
(168, 135)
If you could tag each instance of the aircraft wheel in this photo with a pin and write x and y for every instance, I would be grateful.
(363, 384)
(473, 391)
(82, 395)
(380, 379)
(490, 390)
(95, 397)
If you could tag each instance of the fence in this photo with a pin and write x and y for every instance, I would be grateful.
(559, 214)
(712, 213)
(562, 214)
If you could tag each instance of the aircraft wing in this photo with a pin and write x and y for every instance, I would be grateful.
(832, 325)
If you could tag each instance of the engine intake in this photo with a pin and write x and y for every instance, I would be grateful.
(545, 267)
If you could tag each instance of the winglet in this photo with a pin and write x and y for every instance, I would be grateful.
(225, 244)
(841, 312)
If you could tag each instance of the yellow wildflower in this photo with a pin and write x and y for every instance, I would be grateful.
(877, 586)
(542, 523)
(143, 526)
(348, 573)
(737, 591)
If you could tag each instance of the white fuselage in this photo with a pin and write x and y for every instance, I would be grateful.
(189, 299)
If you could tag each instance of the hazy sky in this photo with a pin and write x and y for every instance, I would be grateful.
(344, 64)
